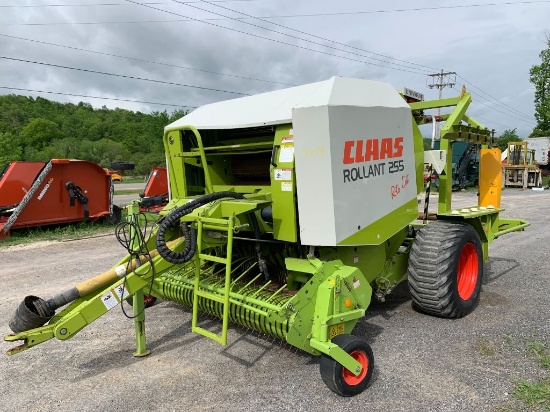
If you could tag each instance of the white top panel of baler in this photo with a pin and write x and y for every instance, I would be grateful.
(276, 107)
(355, 165)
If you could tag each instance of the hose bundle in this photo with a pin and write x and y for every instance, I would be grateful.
(190, 235)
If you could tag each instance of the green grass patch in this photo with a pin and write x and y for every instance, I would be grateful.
(57, 233)
(128, 192)
(132, 179)
(540, 352)
(485, 348)
(536, 395)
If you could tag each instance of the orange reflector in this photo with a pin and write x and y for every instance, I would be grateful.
(348, 303)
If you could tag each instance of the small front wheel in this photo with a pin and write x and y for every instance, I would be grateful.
(339, 379)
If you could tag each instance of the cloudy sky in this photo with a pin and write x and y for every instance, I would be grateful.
(163, 54)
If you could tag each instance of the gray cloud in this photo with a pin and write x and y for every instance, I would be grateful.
(492, 47)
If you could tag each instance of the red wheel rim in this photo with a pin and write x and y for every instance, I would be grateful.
(467, 271)
(349, 377)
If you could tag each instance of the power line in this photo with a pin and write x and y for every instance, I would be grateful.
(495, 99)
(509, 114)
(490, 121)
(96, 97)
(123, 75)
(491, 103)
(444, 81)
(117, 4)
(192, 19)
(69, 5)
(312, 35)
(508, 111)
(504, 113)
(146, 61)
(91, 23)
(441, 75)
(292, 36)
(461, 6)
(274, 40)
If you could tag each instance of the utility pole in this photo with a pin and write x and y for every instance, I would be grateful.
(441, 80)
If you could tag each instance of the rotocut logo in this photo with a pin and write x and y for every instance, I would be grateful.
(45, 189)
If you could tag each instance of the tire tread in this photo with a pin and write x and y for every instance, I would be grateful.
(432, 268)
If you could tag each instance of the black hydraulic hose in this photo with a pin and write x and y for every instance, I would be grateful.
(257, 234)
(7, 210)
(190, 234)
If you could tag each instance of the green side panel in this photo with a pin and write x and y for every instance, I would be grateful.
(418, 156)
(330, 303)
(374, 261)
(219, 170)
(283, 185)
(385, 227)
(175, 164)
(369, 259)
(434, 104)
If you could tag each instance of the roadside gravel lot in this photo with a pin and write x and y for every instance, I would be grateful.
(422, 363)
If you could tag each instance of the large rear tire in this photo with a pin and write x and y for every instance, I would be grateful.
(339, 379)
(445, 269)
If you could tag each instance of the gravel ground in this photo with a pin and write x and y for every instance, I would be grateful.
(422, 363)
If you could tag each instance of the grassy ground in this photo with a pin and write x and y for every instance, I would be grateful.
(57, 233)
(133, 179)
(536, 394)
(128, 192)
(530, 394)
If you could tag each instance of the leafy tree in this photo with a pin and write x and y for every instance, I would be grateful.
(38, 133)
(39, 129)
(177, 114)
(509, 135)
(540, 77)
(10, 151)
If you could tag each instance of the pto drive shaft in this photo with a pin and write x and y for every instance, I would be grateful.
(34, 312)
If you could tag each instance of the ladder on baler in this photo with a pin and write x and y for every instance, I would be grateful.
(225, 225)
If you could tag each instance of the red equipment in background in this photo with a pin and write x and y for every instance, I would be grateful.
(60, 191)
(155, 195)
(16, 180)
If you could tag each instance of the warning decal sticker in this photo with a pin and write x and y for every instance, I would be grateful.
(121, 291)
(282, 174)
(286, 155)
(109, 300)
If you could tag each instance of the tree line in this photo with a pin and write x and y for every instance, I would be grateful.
(539, 76)
(38, 129)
